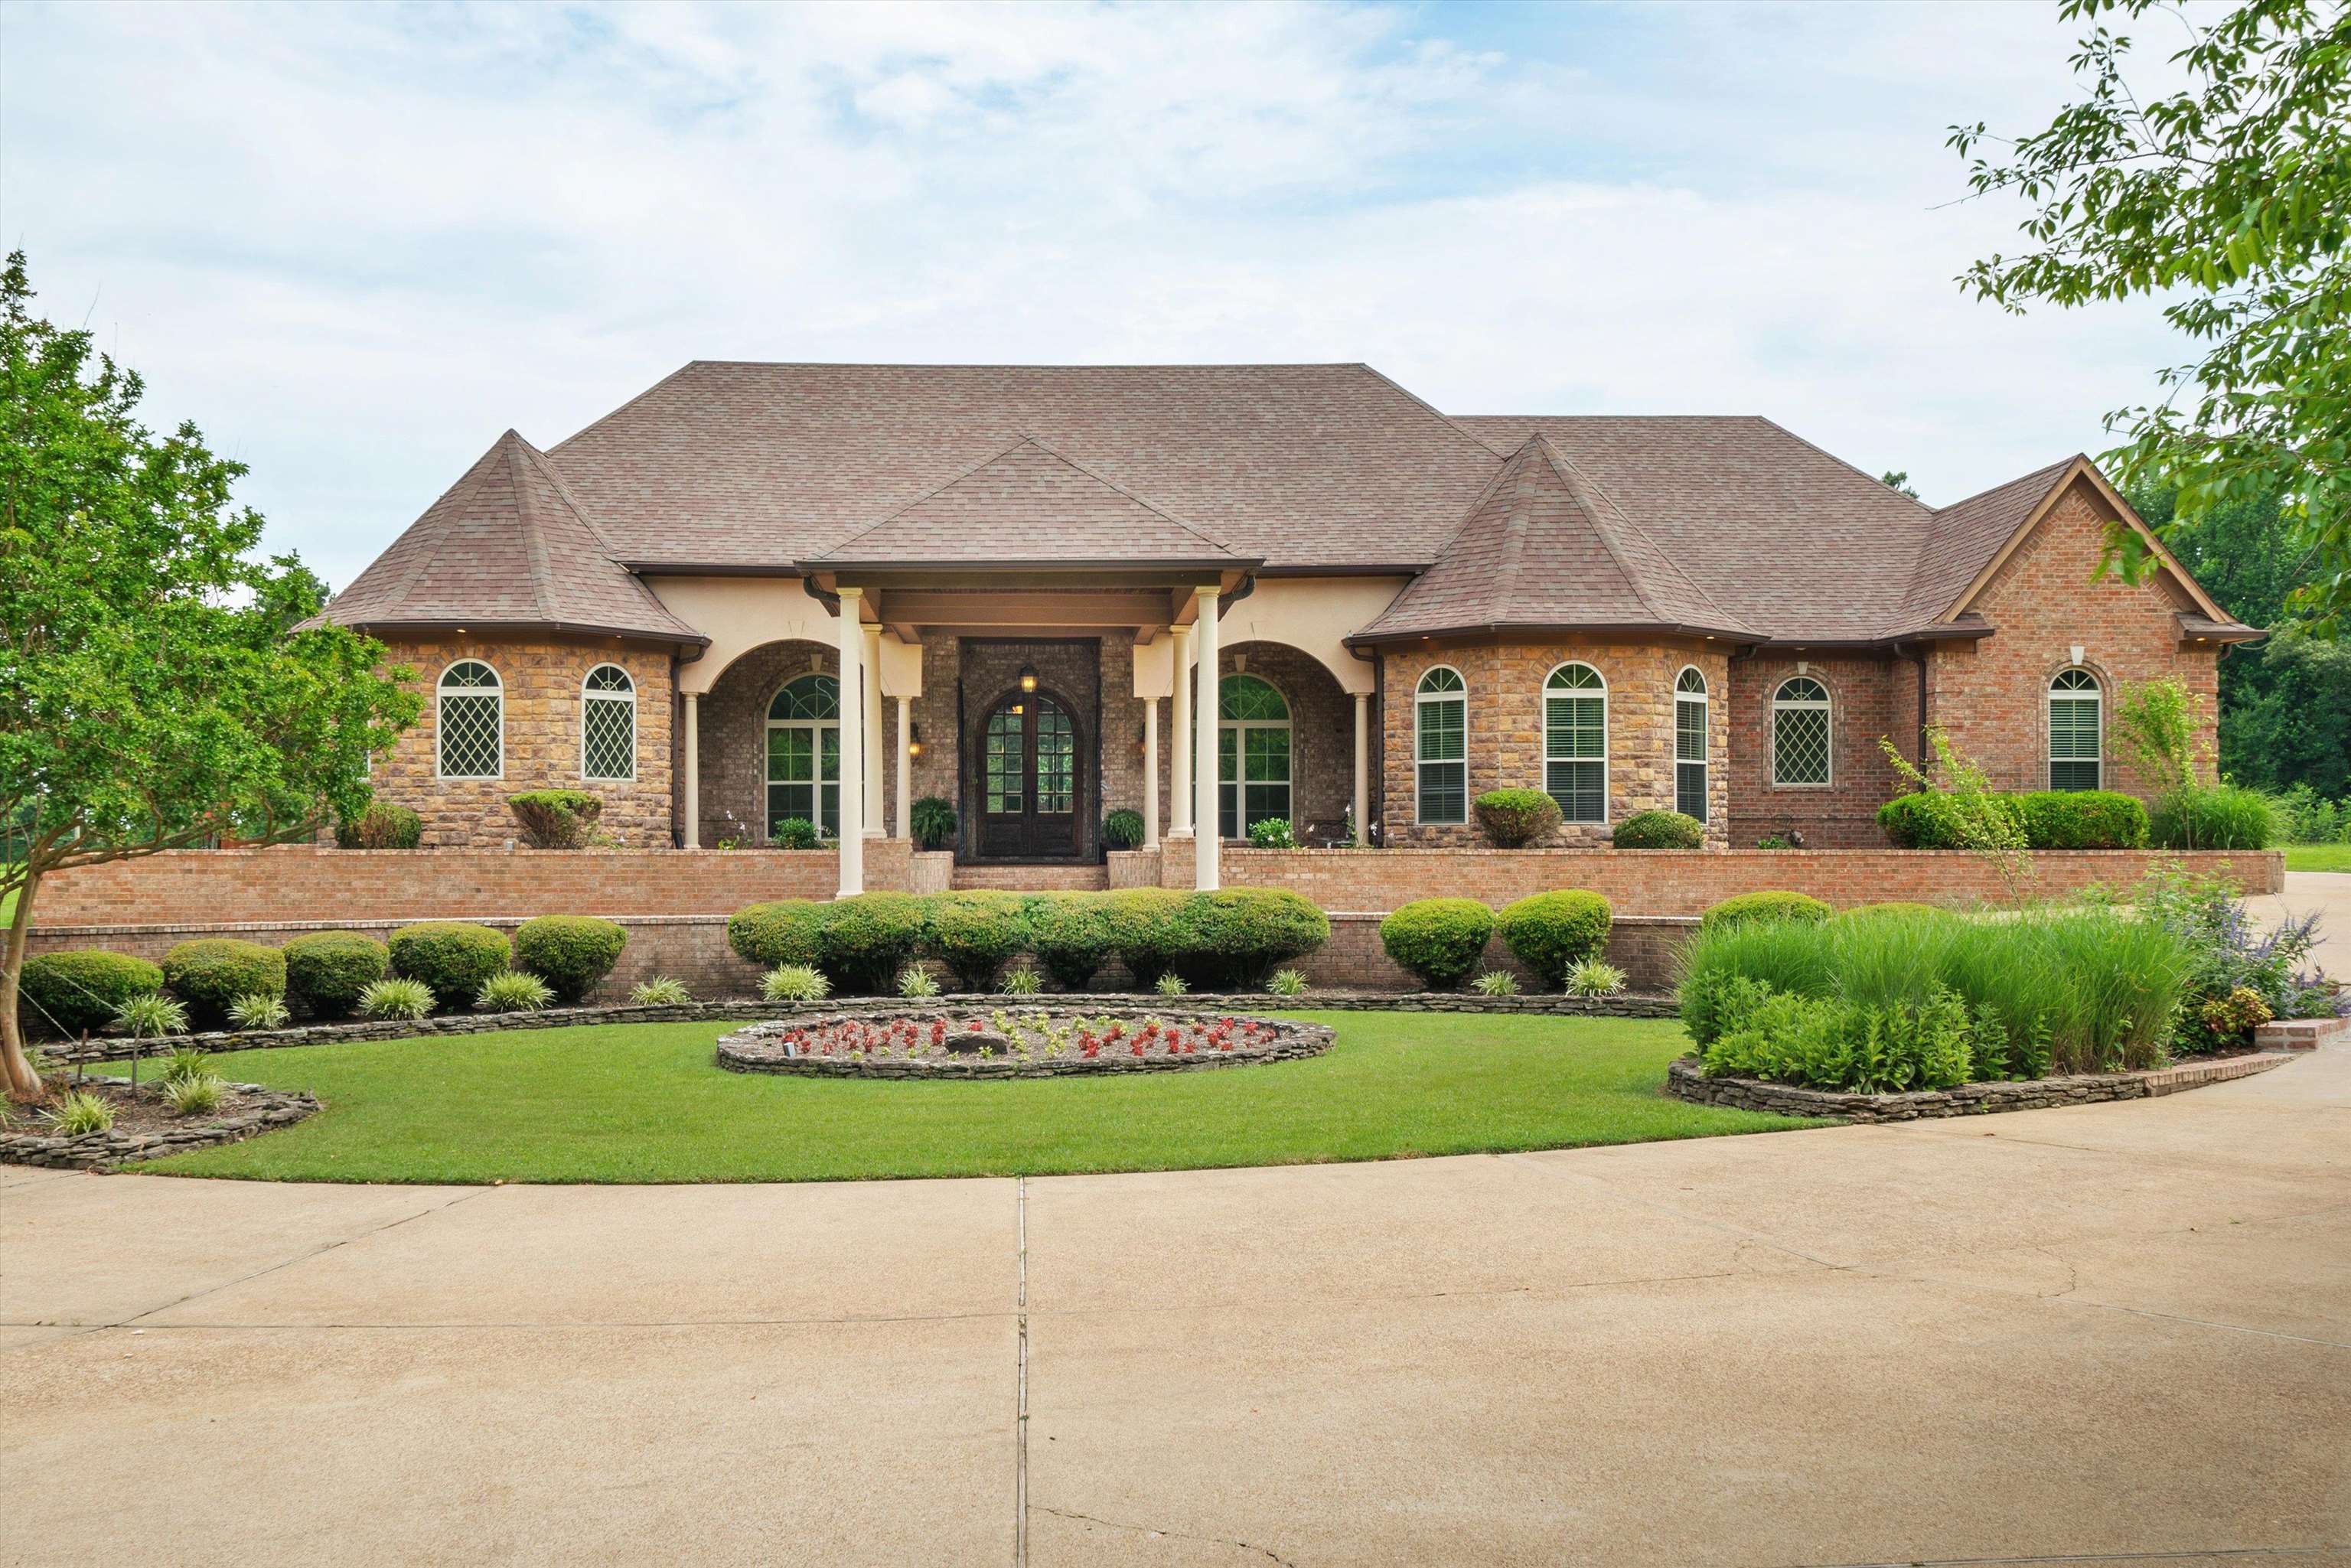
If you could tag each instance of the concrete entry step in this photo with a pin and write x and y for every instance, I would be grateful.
(1069, 878)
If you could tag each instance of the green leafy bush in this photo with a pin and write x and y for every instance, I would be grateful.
(1234, 938)
(787, 931)
(795, 834)
(1514, 819)
(556, 818)
(1147, 929)
(381, 826)
(79, 1112)
(397, 998)
(1550, 931)
(932, 821)
(914, 982)
(1122, 828)
(326, 971)
(2213, 816)
(1273, 834)
(68, 993)
(1286, 983)
(1768, 905)
(1825, 1042)
(1659, 831)
(211, 973)
(452, 957)
(2082, 820)
(513, 991)
(794, 983)
(1939, 818)
(865, 940)
(258, 1011)
(973, 932)
(1438, 939)
(195, 1096)
(660, 991)
(569, 952)
(1069, 933)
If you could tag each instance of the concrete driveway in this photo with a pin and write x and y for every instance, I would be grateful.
(2329, 893)
(2120, 1333)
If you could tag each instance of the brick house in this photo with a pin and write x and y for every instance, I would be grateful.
(1025, 571)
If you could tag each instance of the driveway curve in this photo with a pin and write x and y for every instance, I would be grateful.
(2118, 1333)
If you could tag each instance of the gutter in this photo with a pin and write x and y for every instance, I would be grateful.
(1499, 629)
(561, 628)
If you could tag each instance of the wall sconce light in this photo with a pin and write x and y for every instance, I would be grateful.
(1028, 677)
(1140, 745)
(913, 740)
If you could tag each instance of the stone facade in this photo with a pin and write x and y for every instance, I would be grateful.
(541, 685)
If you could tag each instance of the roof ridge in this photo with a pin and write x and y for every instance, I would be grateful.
(1149, 506)
(612, 414)
(1908, 613)
(1413, 397)
(2028, 473)
(1572, 476)
(433, 542)
(534, 537)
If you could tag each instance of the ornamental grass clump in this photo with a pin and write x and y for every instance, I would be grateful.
(195, 1096)
(79, 1112)
(915, 983)
(398, 998)
(1286, 983)
(794, 983)
(513, 992)
(1594, 978)
(259, 1010)
(1022, 981)
(660, 991)
(1170, 985)
(1496, 982)
(150, 1016)
(186, 1063)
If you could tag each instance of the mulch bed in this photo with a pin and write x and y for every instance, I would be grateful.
(145, 1128)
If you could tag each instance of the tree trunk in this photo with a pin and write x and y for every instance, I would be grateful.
(14, 1065)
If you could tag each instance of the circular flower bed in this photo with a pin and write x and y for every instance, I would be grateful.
(1026, 1042)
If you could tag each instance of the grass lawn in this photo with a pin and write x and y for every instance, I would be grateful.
(2318, 857)
(643, 1103)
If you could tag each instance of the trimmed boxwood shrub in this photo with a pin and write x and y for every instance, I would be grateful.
(1659, 830)
(381, 826)
(1070, 933)
(1233, 938)
(326, 971)
(2082, 820)
(451, 957)
(783, 932)
(569, 952)
(556, 818)
(75, 991)
(211, 972)
(1148, 930)
(866, 938)
(1514, 819)
(1122, 828)
(1550, 933)
(1438, 939)
(973, 932)
(1768, 905)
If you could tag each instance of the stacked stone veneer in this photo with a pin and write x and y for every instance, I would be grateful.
(1686, 1080)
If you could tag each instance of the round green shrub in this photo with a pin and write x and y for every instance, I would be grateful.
(932, 821)
(327, 971)
(1550, 933)
(973, 932)
(381, 826)
(569, 952)
(1438, 939)
(795, 834)
(1659, 830)
(2082, 820)
(1514, 819)
(783, 932)
(1236, 936)
(865, 939)
(1770, 905)
(1936, 819)
(556, 818)
(452, 957)
(1148, 930)
(68, 993)
(2213, 816)
(1273, 834)
(1122, 828)
(211, 973)
(1069, 933)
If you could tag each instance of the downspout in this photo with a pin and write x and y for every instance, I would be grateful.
(1923, 653)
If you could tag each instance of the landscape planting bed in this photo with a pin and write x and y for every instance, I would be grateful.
(145, 1129)
(1030, 1041)
(1685, 1079)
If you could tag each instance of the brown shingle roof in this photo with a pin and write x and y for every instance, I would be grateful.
(1543, 548)
(507, 545)
(1967, 534)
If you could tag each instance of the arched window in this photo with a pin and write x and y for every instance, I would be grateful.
(1576, 742)
(608, 724)
(2075, 727)
(804, 755)
(1800, 734)
(1441, 725)
(1252, 755)
(473, 724)
(1689, 743)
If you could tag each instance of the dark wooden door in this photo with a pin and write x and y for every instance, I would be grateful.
(1027, 749)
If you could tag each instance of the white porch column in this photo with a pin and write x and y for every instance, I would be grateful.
(1363, 768)
(1150, 771)
(905, 771)
(873, 731)
(693, 738)
(1204, 808)
(853, 745)
(1179, 730)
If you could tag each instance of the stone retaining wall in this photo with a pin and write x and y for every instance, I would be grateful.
(1686, 1080)
(747, 1051)
(262, 1109)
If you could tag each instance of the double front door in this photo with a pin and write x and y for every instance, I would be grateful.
(1029, 785)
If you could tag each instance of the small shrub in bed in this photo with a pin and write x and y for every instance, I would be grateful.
(1551, 932)
(65, 993)
(150, 1015)
(1273, 834)
(211, 973)
(915, 983)
(1122, 828)
(1070, 935)
(195, 1096)
(2082, 820)
(932, 821)
(795, 834)
(1170, 985)
(1514, 819)
(1496, 982)
(973, 932)
(1022, 981)
(1438, 939)
(452, 957)
(660, 991)
(1286, 983)
(1938, 819)
(556, 818)
(1594, 978)
(569, 952)
(259, 1011)
(1146, 928)
(381, 826)
(513, 992)
(1770, 905)
(186, 1063)
(78, 1111)
(400, 999)
(784, 932)
(794, 983)
(865, 940)
(1659, 830)
(326, 971)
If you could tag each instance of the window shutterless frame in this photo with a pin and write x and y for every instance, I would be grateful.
(608, 724)
(1802, 732)
(2076, 730)
(1440, 773)
(1690, 743)
(1576, 743)
(469, 737)
(803, 762)
(1253, 755)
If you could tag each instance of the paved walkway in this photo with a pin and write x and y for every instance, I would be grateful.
(2327, 892)
(2120, 1333)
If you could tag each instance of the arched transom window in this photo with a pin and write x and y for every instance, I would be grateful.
(1800, 734)
(472, 722)
(804, 755)
(2076, 755)
(1252, 755)
(1441, 745)
(608, 724)
(1689, 744)
(1576, 742)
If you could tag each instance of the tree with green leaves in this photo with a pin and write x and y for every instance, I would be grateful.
(152, 694)
(2229, 199)
(1898, 479)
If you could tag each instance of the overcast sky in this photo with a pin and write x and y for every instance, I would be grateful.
(356, 245)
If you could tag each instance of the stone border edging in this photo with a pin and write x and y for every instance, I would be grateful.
(266, 1109)
(746, 1051)
(1685, 1079)
(108, 1048)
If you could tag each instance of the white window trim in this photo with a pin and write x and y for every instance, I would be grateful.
(2098, 694)
(1771, 728)
(1240, 727)
(439, 732)
(1607, 739)
(1418, 698)
(816, 752)
(1703, 697)
(586, 696)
